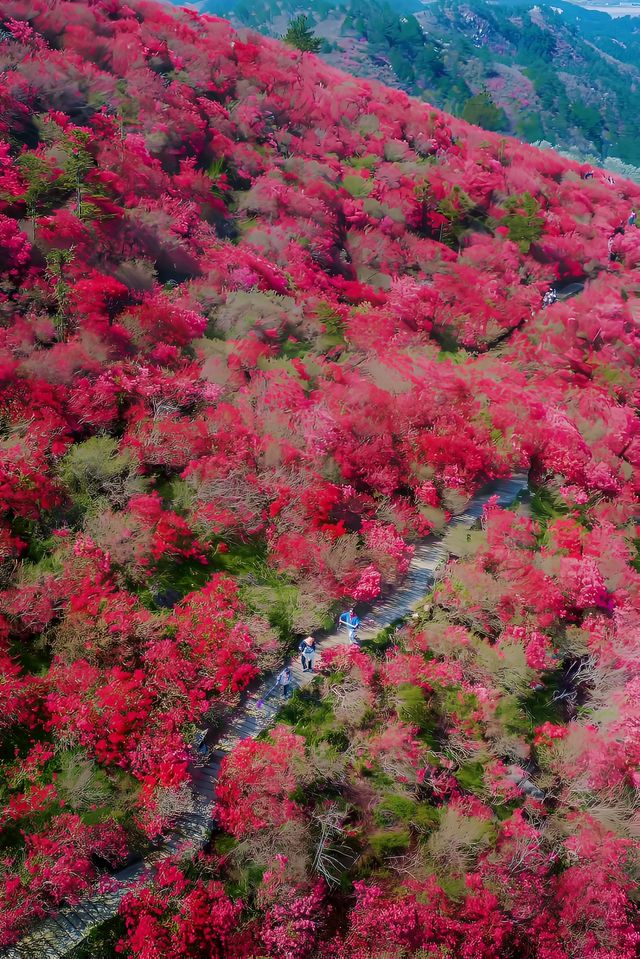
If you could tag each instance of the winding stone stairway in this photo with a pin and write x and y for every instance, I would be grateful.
(56, 936)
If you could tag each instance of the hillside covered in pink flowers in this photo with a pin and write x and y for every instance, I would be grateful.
(262, 327)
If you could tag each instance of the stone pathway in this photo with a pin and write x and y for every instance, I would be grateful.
(57, 935)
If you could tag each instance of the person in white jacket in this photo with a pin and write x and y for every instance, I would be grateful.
(307, 649)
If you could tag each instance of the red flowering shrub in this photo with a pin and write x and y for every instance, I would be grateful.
(291, 929)
(177, 918)
(58, 865)
(256, 781)
(15, 250)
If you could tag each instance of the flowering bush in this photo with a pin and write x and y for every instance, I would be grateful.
(256, 781)
(180, 919)
(368, 585)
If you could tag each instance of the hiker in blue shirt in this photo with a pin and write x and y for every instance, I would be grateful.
(351, 621)
(632, 218)
(307, 650)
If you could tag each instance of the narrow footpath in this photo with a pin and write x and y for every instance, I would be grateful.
(56, 936)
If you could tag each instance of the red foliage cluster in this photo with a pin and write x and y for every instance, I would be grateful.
(251, 306)
(205, 921)
(57, 867)
(255, 782)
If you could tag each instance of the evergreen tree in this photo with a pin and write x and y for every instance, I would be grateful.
(300, 36)
(481, 110)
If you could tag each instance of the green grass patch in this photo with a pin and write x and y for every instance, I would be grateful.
(356, 185)
(538, 705)
(393, 810)
(546, 506)
(245, 884)
(413, 708)
(367, 162)
(471, 778)
(389, 842)
(312, 717)
(384, 639)
(224, 844)
(101, 942)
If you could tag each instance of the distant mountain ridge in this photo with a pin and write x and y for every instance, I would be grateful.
(556, 72)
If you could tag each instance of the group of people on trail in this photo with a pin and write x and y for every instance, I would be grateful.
(632, 220)
(551, 296)
(308, 650)
(619, 230)
(588, 175)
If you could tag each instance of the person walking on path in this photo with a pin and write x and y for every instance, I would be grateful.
(199, 747)
(307, 650)
(351, 621)
(283, 680)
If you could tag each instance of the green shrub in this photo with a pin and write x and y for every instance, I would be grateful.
(224, 844)
(95, 469)
(471, 777)
(389, 842)
(300, 36)
(395, 809)
(426, 817)
(338, 738)
(483, 112)
(454, 701)
(523, 220)
(313, 718)
(246, 882)
(367, 162)
(412, 706)
(383, 640)
(101, 941)
(357, 186)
